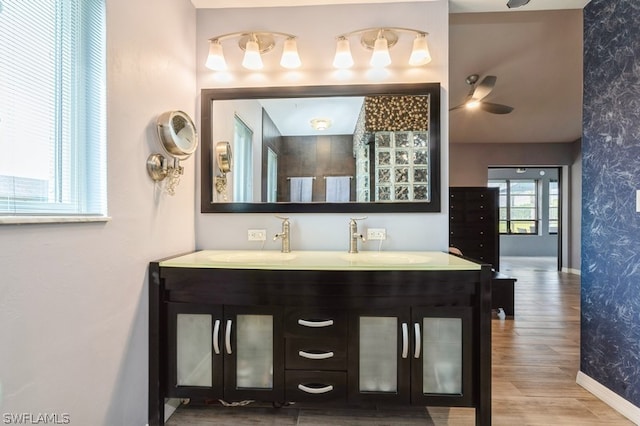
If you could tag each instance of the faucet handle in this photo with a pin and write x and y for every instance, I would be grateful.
(358, 218)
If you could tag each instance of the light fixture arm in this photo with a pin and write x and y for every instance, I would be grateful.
(382, 30)
(249, 35)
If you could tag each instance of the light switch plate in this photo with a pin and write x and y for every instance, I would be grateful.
(376, 234)
(257, 234)
(638, 200)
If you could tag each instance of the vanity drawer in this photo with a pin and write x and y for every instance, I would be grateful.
(315, 386)
(315, 323)
(316, 354)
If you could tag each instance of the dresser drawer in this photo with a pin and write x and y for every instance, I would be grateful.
(480, 232)
(315, 323)
(315, 386)
(316, 354)
(473, 243)
(481, 256)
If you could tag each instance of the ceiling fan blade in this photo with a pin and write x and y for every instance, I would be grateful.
(495, 108)
(484, 87)
(457, 107)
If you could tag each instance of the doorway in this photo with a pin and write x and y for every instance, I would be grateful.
(529, 217)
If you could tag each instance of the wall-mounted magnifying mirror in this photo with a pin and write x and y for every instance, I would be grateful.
(223, 162)
(179, 139)
(360, 148)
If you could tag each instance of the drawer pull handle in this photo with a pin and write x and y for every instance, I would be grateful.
(307, 389)
(227, 337)
(405, 340)
(216, 337)
(309, 355)
(416, 327)
(305, 323)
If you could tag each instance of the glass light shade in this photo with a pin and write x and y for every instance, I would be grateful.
(252, 59)
(320, 124)
(343, 58)
(290, 58)
(420, 54)
(380, 57)
(215, 60)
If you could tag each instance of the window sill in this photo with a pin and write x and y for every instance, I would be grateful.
(24, 220)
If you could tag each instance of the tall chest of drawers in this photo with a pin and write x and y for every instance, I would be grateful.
(473, 223)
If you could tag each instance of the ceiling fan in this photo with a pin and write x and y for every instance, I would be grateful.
(478, 92)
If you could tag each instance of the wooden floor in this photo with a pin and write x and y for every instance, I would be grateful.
(535, 362)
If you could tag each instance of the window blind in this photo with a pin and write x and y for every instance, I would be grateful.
(52, 107)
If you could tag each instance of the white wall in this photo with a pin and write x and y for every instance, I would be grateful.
(316, 28)
(73, 297)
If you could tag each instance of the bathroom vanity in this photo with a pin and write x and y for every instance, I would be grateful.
(365, 329)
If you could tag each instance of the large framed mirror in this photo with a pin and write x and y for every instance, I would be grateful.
(321, 149)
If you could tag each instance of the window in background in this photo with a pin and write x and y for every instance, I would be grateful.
(502, 203)
(554, 204)
(242, 162)
(52, 109)
(518, 201)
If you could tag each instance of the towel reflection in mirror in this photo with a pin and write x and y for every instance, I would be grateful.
(300, 189)
(338, 189)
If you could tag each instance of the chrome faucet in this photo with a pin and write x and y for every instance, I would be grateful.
(284, 235)
(354, 236)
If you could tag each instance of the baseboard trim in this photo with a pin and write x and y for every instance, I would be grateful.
(609, 397)
(170, 407)
(572, 271)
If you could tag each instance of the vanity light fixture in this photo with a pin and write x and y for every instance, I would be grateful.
(380, 40)
(321, 124)
(254, 44)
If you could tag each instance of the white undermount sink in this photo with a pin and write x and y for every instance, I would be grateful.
(252, 257)
(385, 258)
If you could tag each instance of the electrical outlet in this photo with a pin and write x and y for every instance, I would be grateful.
(257, 234)
(376, 234)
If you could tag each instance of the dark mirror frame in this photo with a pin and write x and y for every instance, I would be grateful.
(206, 158)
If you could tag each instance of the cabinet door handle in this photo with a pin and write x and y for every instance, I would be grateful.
(305, 323)
(307, 389)
(416, 327)
(309, 355)
(227, 337)
(216, 337)
(405, 339)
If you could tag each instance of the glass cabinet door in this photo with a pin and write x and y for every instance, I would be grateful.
(254, 361)
(195, 359)
(441, 354)
(379, 357)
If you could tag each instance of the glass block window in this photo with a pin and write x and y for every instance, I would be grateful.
(402, 166)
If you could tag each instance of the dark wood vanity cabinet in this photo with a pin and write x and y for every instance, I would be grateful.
(416, 355)
(316, 354)
(473, 223)
(320, 336)
(224, 352)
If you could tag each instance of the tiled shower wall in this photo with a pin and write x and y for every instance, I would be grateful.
(610, 338)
